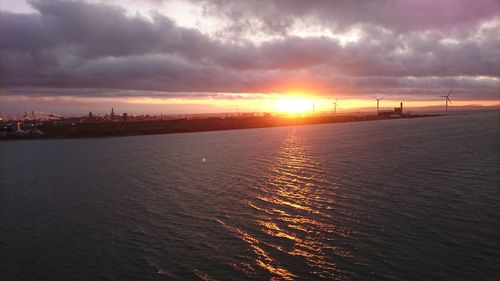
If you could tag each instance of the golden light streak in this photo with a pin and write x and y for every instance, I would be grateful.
(301, 106)
(281, 104)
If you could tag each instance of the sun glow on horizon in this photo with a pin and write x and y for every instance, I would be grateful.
(294, 104)
(291, 104)
(299, 104)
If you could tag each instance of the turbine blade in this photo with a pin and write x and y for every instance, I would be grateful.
(450, 92)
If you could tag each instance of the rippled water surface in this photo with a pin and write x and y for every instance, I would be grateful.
(415, 199)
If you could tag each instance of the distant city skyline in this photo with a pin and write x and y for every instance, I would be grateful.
(184, 56)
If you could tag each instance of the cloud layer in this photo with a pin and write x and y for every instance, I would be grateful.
(398, 47)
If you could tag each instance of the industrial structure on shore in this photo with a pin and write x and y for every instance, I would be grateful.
(398, 111)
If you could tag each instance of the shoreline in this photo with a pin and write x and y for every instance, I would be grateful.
(176, 126)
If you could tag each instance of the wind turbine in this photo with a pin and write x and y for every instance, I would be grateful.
(447, 100)
(378, 100)
(314, 104)
(335, 107)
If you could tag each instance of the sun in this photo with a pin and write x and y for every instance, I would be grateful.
(294, 105)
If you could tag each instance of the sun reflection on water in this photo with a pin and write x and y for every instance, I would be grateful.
(263, 259)
(293, 218)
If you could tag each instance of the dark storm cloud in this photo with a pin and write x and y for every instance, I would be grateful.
(95, 30)
(395, 15)
(405, 47)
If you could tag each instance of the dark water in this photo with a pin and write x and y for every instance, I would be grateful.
(387, 200)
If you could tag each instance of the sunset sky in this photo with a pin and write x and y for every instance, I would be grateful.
(187, 56)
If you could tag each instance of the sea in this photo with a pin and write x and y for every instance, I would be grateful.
(406, 199)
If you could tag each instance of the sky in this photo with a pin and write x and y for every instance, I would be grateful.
(192, 56)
